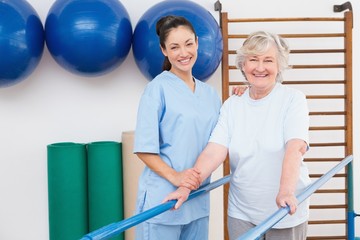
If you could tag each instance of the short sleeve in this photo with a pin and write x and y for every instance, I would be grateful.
(221, 132)
(148, 119)
(297, 118)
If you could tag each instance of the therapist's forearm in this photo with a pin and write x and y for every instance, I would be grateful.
(156, 164)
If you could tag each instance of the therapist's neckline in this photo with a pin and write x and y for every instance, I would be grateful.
(189, 83)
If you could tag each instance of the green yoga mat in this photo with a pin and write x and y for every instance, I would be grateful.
(67, 191)
(105, 184)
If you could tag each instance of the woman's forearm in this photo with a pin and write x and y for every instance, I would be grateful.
(295, 149)
(210, 159)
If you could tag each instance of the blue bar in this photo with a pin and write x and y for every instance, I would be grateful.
(114, 229)
(350, 198)
(268, 223)
(351, 225)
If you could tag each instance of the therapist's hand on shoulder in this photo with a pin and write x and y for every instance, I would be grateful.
(239, 90)
(181, 195)
(189, 178)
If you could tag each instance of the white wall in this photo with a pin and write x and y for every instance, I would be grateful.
(53, 105)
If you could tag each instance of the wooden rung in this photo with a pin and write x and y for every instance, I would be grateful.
(331, 191)
(305, 51)
(339, 206)
(235, 83)
(339, 175)
(296, 51)
(318, 66)
(323, 159)
(327, 113)
(338, 221)
(337, 144)
(304, 35)
(325, 96)
(325, 128)
(315, 19)
(315, 82)
(326, 237)
(238, 83)
(315, 66)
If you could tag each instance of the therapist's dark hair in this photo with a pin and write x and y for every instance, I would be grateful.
(163, 27)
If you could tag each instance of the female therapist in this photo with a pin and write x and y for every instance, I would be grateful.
(176, 115)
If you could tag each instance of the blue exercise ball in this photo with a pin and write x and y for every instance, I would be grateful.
(88, 37)
(146, 46)
(21, 41)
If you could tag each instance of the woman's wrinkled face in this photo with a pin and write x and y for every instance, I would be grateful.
(261, 70)
(181, 48)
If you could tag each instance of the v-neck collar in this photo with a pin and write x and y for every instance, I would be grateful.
(179, 82)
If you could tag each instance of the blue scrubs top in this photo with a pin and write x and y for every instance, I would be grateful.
(175, 123)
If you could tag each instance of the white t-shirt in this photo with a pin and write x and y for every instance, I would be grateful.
(255, 133)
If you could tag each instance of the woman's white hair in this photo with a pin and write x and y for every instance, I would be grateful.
(258, 43)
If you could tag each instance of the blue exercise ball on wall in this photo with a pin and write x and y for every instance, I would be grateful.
(21, 41)
(88, 37)
(146, 46)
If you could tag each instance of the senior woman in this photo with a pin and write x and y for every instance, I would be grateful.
(265, 132)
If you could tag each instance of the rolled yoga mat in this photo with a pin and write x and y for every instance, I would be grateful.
(132, 168)
(67, 191)
(105, 184)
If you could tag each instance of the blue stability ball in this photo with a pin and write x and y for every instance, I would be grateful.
(88, 37)
(146, 46)
(21, 41)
